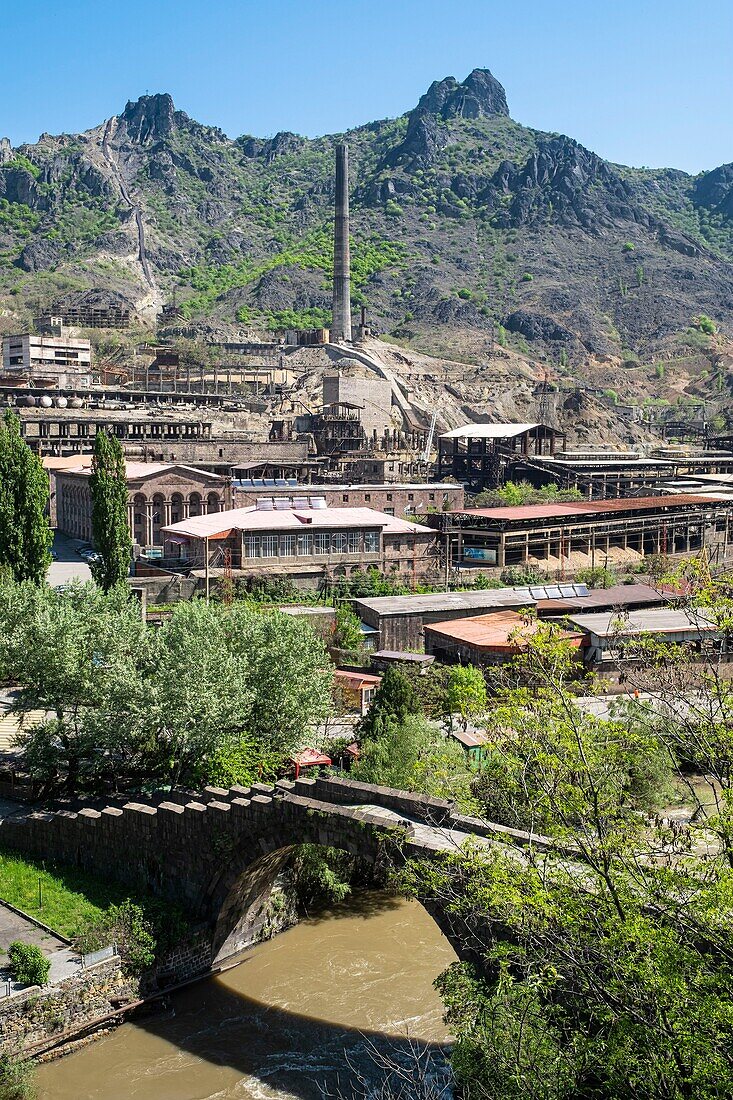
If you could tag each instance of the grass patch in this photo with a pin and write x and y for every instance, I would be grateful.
(71, 897)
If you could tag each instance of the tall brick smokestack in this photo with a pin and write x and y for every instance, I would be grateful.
(341, 323)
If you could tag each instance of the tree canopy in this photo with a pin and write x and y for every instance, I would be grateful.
(110, 528)
(25, 532)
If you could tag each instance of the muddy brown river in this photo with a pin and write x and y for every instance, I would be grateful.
(293, 1021)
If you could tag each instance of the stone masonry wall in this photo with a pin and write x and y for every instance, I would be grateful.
(40, 1016)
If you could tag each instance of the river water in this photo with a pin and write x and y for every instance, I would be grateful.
(295, 1017)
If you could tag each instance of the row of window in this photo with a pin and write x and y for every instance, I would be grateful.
(306, 544)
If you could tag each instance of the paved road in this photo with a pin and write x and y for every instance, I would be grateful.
(68, 566)
(15, 927)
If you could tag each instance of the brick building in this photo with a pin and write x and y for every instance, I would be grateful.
(309, 543)
(158, 494)
(411, 499)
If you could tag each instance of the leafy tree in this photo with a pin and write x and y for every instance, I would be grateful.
(110, 529)
(605, 949)
(394, 699)
(75, 656)
(596, 576)
(25, 533)
(466, 690)
(127, 927)
(414, 755)
(347, 634)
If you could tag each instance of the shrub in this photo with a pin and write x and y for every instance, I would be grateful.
(612, 396)
(628, 247)
(16, 1079)
(705, 324)
(596, 577)
(28, 964)
(126, 926)
(527, 278)
(465, 294)
(519, 575)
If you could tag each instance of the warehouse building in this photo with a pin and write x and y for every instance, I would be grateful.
(484, 640)
(560, 538)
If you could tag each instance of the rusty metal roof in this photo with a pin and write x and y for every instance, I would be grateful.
(578, 508)
(491, 632)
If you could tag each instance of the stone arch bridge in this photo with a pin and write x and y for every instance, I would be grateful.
(219, 852)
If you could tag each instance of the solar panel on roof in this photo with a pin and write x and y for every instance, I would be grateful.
(281, 482)
(257, 483)
(265, 504)
(291, 481)
(553, 592)
(282, 504)
(318, 502)
(269, 481)
(300, 502)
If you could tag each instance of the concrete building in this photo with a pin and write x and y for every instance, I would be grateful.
(393, 499)
(561, 538)
(46, 361)
(361, 390)
(151, 436)
(158, 494)
(310, 544)
(479, 455)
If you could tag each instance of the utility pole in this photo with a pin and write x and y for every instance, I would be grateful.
(206, 567)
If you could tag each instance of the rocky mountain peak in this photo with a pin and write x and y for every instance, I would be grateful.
(149, 119)
(479, 96)
(6, 150)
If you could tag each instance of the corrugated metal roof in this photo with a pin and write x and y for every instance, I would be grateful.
(652, 621)
(488, 431)
(490, 632)
(447, 601)
(577, 508)
(472, 739)
(292, 519)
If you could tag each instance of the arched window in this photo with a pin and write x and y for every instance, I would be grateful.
(176, 508)
(212, 502)
(194, 502)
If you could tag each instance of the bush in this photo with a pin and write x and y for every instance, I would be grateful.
(628, 247)
(16, 1079)
(705, 324)
(519, 575)
(596, 577)
(28, 964)
(126, 926)
(527, 278)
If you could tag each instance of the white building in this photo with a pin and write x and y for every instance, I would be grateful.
(47, 361)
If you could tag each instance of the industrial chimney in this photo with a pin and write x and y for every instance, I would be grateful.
(341, 323)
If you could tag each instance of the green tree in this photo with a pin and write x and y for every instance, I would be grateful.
(606, 951)
(394, 699)
(25, 533)
(347, 634)
(466, 692)
(76, 656)
(110, 529)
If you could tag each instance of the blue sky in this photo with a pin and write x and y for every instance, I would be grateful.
(644, 82)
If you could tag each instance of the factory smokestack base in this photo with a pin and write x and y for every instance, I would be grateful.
(341, 321)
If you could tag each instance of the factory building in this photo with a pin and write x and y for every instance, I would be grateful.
(561, 538)
(51, 362)
(310, 543)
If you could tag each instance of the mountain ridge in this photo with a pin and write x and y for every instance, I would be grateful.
(464, 222)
